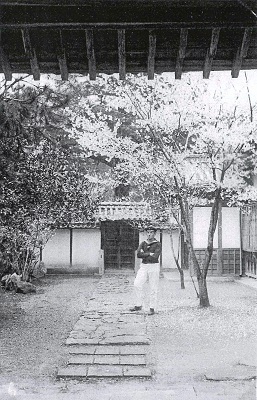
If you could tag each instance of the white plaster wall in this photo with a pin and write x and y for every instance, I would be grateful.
(201, 221)
(57, 249)
(167, 255)
(86, 248)
(230, 228)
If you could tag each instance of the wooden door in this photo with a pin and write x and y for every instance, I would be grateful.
(119, 241)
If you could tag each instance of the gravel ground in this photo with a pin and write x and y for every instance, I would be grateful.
(211, 351)
(214, 348)
(34, 327)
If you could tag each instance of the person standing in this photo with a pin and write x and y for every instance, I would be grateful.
(149, 251)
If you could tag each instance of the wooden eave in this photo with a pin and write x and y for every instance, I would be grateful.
(124, 36)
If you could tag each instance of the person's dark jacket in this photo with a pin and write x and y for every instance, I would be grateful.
(146, 248)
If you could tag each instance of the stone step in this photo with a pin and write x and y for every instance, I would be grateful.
(102, 359)
(103, 371)
(127, 340)
(102, 349)
(108, 341)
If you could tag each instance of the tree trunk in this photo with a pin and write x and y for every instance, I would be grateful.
(201, 271)
(181, 272)
(203, 292)
(182, 280)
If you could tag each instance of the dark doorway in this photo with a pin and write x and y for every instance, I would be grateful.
(119, 242)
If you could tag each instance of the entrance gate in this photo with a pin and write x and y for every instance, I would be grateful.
(119, 242)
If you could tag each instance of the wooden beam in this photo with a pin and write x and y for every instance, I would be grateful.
(5, 65)
(62, 59)
(91, 54)
(181, 52)
(5, 62)
(31, 53)
(211, 52)
(241, 52)
(151, 55)
(122, 53)
(129, 25)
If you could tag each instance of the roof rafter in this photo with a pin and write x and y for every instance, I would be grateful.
(181, 52)
(62, 59)
(151, 55)
(91, 54)
(211, 52)
(117, 36)
(241, 53)
(122, 53)
(31, 53)
(5, 62)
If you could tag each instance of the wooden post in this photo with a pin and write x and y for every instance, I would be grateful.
(241, 272)
(219, 252)
(161, 270)
(102, 251)
(119, 229)
(71, 240)
(190, 262)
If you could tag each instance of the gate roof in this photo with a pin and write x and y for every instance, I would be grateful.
(127, 36)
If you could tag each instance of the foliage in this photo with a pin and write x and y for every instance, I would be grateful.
(177, 146)
(45, 178)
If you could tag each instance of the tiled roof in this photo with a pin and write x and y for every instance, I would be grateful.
(123, 211)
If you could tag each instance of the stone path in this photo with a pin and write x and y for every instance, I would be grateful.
(108, 340)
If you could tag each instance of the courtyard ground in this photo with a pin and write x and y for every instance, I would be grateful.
(205, 354)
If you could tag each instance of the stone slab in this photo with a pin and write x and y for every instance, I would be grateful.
(80, 335)
(92, 317)
(133, 371)
(85, 326)
(73, 341)
(129, 316)
(81, 359)
(106, 359)
(243, 376)
(110, 319)
(137, 349)
(234, 373)
(123, 340)
(100, 371)
(131, 325)
(125, 332)
(82, 349)
(107, 349)
(73, 372)
(132, 360)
